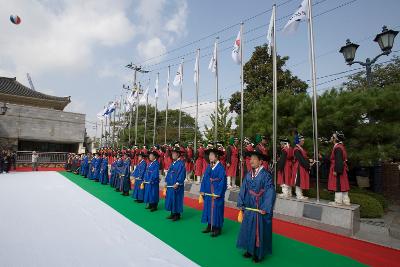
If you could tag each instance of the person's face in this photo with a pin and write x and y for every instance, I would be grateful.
(175, 155)
(212, 157)
(255, 162)
(140, 158)
(301, 142)
(152, 157)
(236, 142)
(264, 141)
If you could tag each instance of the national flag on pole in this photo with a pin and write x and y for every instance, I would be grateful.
(156, 89)
(179, 75)
(213, 62)
(270, 33)
(102, 114)
(236, 52)
(145, 94)
(294, 21)
(168, 78)
(196, 70)
(131, 99)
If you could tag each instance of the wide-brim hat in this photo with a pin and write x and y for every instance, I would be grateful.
(260, 155)
(284, 140)
(155, 153)
(339, 135)
(215, 151)
(176, 149)
(142, 154)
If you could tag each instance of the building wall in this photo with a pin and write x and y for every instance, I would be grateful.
(41, 124)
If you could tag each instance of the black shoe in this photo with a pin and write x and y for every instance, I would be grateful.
(148, 207)
(117, 190)
(176, 217)
(136, 200)
(256, 259)
(140, 201)
(247, 255)
(216, 232)
(170, 217)
(207, 230)
(154, 208)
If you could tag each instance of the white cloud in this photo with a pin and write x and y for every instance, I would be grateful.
(177, 23)
(151, 48)
(61, 36)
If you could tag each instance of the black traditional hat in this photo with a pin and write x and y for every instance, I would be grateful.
(215, 151)
(338, 135)
(284, 140)
(260, 155)
(155, 153)
(177, 150)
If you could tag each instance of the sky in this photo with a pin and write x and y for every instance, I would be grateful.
(80, 48)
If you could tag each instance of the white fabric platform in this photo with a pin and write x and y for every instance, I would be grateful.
(46, 220)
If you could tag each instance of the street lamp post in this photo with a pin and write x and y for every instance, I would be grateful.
(385, 39)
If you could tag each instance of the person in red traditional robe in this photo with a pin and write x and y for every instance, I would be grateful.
(232, 162)
(222, 159)
(167, 159)
(200, 164)
(301, 168)
(262, 148)
(284, 168)
(189, 165)
(338, 180)
(248, 148)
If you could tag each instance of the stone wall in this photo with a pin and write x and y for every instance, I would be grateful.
(41, 124)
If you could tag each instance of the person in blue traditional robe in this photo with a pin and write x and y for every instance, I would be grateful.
(256, 201)
(92, 162)
(84, 165)
(117, 163)
(125, 182)
(112, 174)
(120, 173)
(212, 189)
(152, 182)
(97, 165)
(138, 175)
(175, 185)
(103, 176)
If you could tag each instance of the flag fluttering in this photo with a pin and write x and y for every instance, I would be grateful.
(156, 88)
(213, 62)
(236, 52)
(270, 34)
(196, 70)
(294, 21)
(178, 80)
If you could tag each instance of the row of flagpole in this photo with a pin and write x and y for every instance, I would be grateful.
(304, 12)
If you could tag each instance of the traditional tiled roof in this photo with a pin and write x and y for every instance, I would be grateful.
(16, 92)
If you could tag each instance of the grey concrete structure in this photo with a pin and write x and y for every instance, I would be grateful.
(27, 123)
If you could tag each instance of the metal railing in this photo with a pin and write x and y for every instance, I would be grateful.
(44, 157)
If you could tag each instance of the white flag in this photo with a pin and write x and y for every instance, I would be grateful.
(294, 21)
(236, 55)
(270, 33)
(196, 70)
(167, 89)
(213, 62)
(144, 96)
(156, 88)
(101, 115)
(131, 99)
(179, 75)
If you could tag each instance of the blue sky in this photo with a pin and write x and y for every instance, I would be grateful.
(80, 48)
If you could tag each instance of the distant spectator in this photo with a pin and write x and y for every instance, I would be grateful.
(35, 159)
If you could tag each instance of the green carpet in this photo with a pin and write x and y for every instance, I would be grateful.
(185, 236)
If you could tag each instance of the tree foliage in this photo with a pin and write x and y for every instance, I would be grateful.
(258, 79)
(224, 124)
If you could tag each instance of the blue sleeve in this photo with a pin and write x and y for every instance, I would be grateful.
(142, 170)
(269, 194)
(181, 174)
(241, 202)
(221, 185)
(154, 174)
(205, 179)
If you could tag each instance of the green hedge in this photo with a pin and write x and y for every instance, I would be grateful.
(370, 207)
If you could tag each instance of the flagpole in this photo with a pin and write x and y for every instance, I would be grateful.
(145, 118)
(197, 100)
(216, 91)
(155, 111)
(275, 94)
(180, 107)
(241, 101)
(137, 111)
(166, 110)
(314, 87)
(113, 132)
